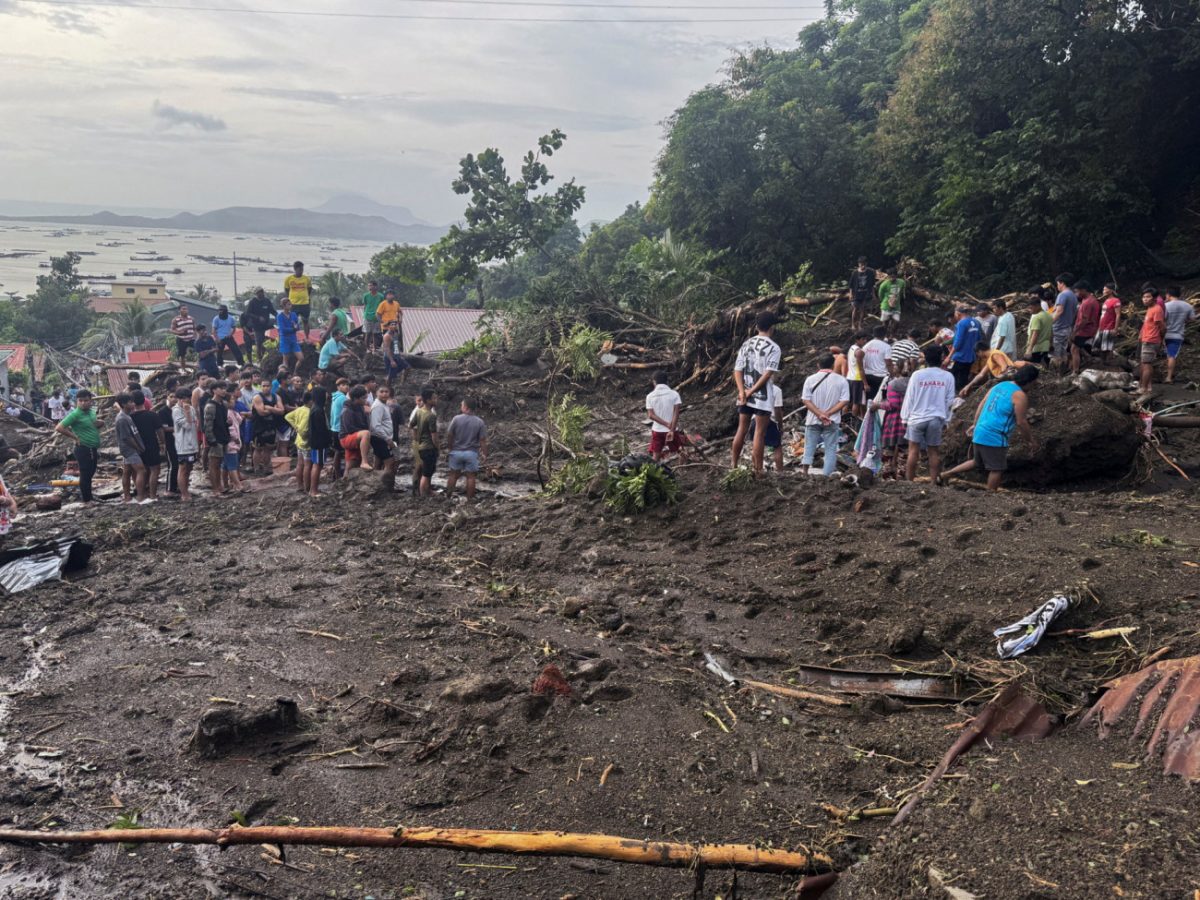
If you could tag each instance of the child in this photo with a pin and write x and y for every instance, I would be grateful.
(230, 476)
(892, 434)
(299, 418)
(8, 508)
(129, 445)
(319, 438)
(187, 440)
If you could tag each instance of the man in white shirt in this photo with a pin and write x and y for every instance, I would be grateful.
(926, 410)
(1004, 335)
(58, 410)
(877, 361)
(662, 407)
(754, 372)
(383, 437)
(825, 395)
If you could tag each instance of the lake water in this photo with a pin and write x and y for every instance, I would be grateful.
(116, 251)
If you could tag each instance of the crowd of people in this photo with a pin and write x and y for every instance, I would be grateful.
(240, 424)
(895, 396)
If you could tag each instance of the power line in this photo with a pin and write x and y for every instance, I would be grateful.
(428, 17)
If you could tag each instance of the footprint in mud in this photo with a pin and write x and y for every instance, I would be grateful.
(928, 552)
(844, 556)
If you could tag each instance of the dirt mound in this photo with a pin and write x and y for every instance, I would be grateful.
(1080, 437)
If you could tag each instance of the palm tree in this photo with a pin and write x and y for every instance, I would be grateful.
(134, 327)
(203, 292)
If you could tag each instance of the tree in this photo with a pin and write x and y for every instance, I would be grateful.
(205, 293)
(404, 263)
(56, 314)
(505, 218)
(134, 327)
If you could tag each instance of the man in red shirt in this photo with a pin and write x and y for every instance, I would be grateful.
(1110, 321)
(1087, 323)
(1154, 329)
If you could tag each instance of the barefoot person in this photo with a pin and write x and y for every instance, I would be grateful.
(757, 362)
(216, 435)
(298, 287)
(149, 427)
(1178, 313)
(266, 413)
(355, 432)
(1154, 329)
(383, 436)
(1005, 406)
(320, 439)
(129, 445)
(466, 439)
(300, 419)
(926, 410)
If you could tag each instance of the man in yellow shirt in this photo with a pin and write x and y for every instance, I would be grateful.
(298, 287)
(389, 311)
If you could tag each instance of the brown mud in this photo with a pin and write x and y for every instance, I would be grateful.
(409, 634)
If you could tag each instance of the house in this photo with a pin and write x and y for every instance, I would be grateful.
(149, 292)
(104, 305)
(150, 358)
(13, 358)
(200, 310)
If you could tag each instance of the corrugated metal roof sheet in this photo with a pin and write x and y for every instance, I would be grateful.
(19, 358)
(147, 357)
(39, 365)
(117, 380)
(445, 328)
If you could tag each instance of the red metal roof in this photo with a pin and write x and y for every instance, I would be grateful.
(16, 362)
(117, 380)
(147, 357)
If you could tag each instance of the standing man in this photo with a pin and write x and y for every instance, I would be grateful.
(1087, 323)
(299, 288)
(80, 426)
(1066, 309)
(1005, 405)
(926, 410)
(876, 362)
(753, 373)
(149, 427)
(1004, 335)
(223, 325)
(390, 311)
(257, 321)
(394, 363)
(372, 329)
(662, 407)
(1041, 332)
(906, 352)
(287, 322)
(183, 327)
(425, 439)
(825, 395)
(206, 352)
(1110, 321)
(466, 439)
(1178, 312)
(967, 335)
(129, 445)
(383, 436)
(862, 289)
(266, 414)
(216, 434)
(56, 407)
(1154, 330)
(891, 295)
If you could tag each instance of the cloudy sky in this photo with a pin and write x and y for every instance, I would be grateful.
(125, 104)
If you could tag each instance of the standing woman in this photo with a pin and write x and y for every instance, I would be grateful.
(320, 439)
(187, 440)
(80, 426)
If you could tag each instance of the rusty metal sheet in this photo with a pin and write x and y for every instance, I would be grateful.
(1169, 691)
(893, 684)
(1021, 717)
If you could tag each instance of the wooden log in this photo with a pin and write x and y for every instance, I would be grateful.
(523, 843)
(463, 379)
(1176, 422)
(794, 693)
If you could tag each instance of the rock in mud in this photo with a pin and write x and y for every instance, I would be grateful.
(593, 669)
(478, 689)
(225, 728)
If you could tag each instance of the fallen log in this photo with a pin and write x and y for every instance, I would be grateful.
(1176, 422)
(523, 843)
(464, 379)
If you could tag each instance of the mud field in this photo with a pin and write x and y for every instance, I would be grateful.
(409, 634)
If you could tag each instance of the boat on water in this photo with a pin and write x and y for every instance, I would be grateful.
(97, 277)
(112, 243)
(151, 258)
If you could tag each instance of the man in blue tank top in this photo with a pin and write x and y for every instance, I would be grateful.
(1005, 405)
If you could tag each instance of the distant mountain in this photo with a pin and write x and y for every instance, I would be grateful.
(360, 205)
(11, 207)
(256, 220)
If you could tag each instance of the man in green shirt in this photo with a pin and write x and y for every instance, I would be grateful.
(891, 295)
(425, 439)
(372, 330)
(338, 320)
(80, 426)
(1041, 333)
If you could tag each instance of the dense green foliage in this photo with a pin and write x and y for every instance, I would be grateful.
(56, 314)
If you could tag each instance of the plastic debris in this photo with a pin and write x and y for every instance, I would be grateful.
(22, 568)
(1024, 635)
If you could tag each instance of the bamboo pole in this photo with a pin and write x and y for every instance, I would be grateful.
(525, 843)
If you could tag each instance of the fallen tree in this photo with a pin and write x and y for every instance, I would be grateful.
(524, 843)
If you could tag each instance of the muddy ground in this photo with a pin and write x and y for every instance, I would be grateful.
(409, 634)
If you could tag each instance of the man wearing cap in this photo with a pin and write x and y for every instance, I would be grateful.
(223, 325)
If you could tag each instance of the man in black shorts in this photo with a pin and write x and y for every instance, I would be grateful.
(862, 292)
(383, 442)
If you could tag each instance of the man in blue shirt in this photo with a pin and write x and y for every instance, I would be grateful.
(286, 324)
(206, 352)
(1066, 308)
(331, 350)
(223, 325)
(967, 335)
(1005, 405)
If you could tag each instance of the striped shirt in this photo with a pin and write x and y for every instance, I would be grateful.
(905, 351)
(184, 327)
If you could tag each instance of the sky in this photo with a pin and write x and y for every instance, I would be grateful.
(122, 104)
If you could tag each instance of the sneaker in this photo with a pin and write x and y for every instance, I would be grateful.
(147, 501)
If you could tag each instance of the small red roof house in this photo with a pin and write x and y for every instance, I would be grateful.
(148, 357)
(18, 356)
